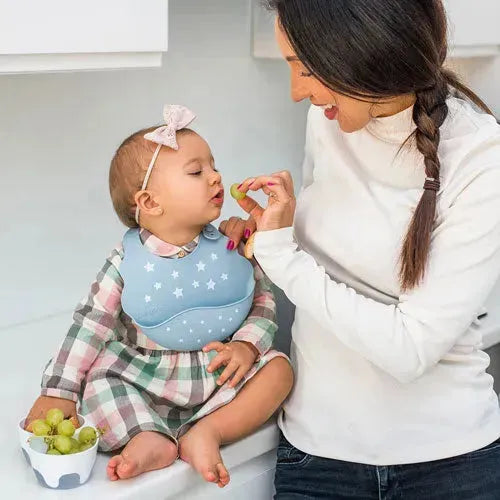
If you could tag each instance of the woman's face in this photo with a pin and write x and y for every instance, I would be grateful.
(351, 114)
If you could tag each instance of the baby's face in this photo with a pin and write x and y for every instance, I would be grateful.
(186, 184)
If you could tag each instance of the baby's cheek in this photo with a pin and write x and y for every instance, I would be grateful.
(191, 207)
(181, 201)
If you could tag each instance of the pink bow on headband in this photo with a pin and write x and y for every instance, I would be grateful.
(176, 118)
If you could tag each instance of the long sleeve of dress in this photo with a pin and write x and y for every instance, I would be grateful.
(94, 324)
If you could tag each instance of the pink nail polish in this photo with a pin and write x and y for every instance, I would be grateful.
(239, 187)
(230, 245)
(247, 233)
(270, 184)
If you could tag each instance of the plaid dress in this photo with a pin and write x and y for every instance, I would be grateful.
(125, 382)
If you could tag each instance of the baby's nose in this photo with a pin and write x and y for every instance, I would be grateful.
(215, 178)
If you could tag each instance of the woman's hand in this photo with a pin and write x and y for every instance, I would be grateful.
(44, 403)
(238, 357)
(280, 210)
(279, 213)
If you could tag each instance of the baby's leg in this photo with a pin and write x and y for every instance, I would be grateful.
(260, 397)
(130, 423)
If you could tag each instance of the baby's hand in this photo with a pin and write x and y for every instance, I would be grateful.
(237, 356)
(44, 403)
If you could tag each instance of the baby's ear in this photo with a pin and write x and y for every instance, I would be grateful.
(147, 203)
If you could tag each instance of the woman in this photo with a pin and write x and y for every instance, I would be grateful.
(394, 248)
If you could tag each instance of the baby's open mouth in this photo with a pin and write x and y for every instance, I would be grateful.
(219, 197)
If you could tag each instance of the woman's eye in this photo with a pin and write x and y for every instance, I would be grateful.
(305, 74)
(196, 173)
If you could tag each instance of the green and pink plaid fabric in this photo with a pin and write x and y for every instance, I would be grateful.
(126, 382)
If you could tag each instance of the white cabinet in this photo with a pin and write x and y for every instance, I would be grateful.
(54, 35)
(474, 27)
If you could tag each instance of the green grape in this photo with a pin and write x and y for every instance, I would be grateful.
(66, 428)
(237, 195)
(54, 417)
(87, 435)
(86, 446)
(53, 451)
(41, 428)
(62, 444)
(75, 446)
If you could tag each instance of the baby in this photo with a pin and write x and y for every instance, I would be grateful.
(170, 352)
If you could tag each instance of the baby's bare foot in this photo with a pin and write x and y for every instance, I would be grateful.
(200, 448)
(144, 452)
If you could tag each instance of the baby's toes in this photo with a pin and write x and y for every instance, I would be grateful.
(210, 475)
(223, 474)
(112, 465)
(126, 469)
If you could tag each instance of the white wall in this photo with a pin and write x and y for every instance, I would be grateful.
(59, 131)
(482, 74)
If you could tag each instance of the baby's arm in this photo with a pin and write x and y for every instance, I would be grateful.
(94, 322)
(260, 326)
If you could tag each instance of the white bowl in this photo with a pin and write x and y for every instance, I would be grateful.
(59, 471)
(25, 435)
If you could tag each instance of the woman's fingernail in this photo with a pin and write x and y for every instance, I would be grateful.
(230, 245)
(270, 183)
(239, 187)
(247, 233)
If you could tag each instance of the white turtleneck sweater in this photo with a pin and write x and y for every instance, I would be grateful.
(385, 377)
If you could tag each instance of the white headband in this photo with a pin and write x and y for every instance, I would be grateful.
(176, 118)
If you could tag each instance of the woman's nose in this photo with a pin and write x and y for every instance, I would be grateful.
(299, 92)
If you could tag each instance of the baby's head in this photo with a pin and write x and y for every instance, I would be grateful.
(183, 189)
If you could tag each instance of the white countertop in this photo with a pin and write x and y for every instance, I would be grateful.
(177, 481)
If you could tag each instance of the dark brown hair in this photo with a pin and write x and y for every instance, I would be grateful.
(373, 49)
